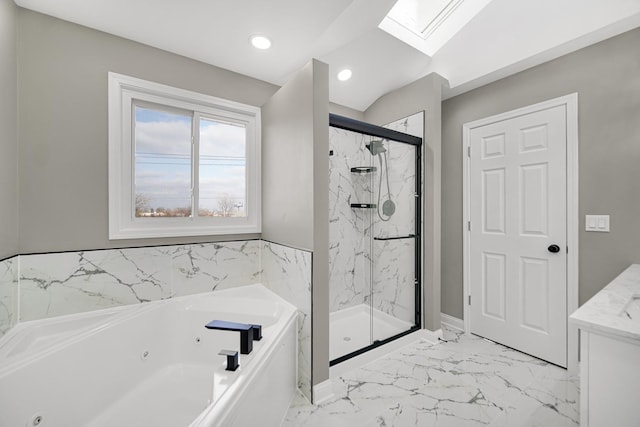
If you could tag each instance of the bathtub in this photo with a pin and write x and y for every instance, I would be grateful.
(152, 364)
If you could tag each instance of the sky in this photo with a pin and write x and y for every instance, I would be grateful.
(163, 159)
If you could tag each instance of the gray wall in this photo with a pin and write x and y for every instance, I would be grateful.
(8, 131)
(63, 126)
(341, 110)
(422, 95)
(606, 77)
(295, 186)
(287, 163)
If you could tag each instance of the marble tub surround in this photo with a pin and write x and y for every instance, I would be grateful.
(287, 272)
(49, 285)
(213, 266)
(466, 381)
(73, 282)
(605, 314)
(8, 294)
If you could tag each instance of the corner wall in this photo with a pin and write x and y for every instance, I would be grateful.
(606, 77)
(295, 186)
(8, 131)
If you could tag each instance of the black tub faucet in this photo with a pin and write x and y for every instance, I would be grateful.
(248, 332)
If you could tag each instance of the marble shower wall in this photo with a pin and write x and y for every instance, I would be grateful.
(354, 258)
(349, 248)
(287, 272)
(394, 260)
(412, 125)
(8, 294)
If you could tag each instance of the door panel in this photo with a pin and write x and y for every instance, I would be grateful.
(534, 274)
(493, 286)
(535, 197)
(493, 202)
(517, 197)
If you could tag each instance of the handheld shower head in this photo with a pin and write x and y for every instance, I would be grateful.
(376, 146)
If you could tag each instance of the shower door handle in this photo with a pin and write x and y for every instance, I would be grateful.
(409, 236)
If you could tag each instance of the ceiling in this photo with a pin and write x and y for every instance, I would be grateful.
(505, 37)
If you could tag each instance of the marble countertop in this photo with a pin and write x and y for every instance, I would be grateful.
(606, 313)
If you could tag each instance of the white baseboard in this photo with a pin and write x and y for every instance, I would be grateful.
(322, 392)
(452, 322)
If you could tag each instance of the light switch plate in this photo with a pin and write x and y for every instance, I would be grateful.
(597, 223)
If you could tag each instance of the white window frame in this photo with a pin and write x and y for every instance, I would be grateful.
(123, 91)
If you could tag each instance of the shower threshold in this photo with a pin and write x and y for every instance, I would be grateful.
(350, 330)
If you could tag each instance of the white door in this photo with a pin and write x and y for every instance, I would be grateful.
(518, 233)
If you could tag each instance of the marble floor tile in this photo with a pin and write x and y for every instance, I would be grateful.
(461, 381)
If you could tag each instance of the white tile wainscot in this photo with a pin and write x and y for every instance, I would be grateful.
(610, 350)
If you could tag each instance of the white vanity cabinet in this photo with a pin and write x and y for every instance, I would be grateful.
(610, 354)
(609, 381)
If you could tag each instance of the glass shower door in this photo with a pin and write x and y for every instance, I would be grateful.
(394, 237)
(374, 186)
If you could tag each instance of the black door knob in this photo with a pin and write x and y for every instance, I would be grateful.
(554, 249)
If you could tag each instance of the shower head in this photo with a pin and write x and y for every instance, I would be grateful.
(376, 146)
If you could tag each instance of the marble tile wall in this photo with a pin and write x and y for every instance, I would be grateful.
(393, 288)
(214, 266)
(349, 250)
(394, 266)
(413, 125)
(287, 272)
(8, 294)
(74, 282)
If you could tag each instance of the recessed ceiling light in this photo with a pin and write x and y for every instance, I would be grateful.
(260, 42)
(344, 75)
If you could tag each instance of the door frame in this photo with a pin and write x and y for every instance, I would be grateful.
(570, 103)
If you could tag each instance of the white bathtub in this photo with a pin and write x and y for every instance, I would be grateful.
(152, 364)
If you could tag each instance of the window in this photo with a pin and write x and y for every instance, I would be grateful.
(180, 163)
(427, 25)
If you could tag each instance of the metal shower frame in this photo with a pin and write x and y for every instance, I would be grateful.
(353, 125)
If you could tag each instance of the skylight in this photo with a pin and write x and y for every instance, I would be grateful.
(428, 25)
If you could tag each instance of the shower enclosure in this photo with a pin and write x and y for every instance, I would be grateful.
(374, 236)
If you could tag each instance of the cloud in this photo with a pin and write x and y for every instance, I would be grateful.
(216, 138)
(163, 138)
(222, 139)
(163, 160)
